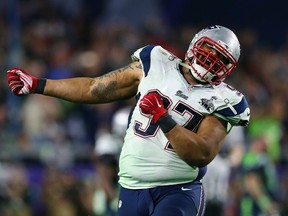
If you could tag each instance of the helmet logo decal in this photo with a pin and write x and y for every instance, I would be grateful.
(209, 28)
(213, 27)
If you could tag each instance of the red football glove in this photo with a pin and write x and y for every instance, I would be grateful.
(152, 104)
(20, 82)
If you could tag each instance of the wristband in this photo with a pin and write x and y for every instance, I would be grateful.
(41, 85)
(166, 123)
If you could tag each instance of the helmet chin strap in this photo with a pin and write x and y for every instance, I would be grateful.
(184, 65)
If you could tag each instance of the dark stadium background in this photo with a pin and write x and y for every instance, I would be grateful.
(45, 142)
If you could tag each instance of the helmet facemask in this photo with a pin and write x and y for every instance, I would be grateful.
(207, 67)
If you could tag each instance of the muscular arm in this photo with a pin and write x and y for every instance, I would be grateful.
(115, 85)
(198, 149)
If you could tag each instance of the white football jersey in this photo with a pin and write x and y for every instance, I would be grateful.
(147, 159)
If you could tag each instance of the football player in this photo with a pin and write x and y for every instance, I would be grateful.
(182, 114)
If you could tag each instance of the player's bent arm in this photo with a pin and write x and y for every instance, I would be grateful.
(115, 85)
(198, 149)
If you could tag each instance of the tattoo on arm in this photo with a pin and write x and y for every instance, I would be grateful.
(106, 89)
(131, 67)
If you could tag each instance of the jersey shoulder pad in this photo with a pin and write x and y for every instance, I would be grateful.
(152, 51)
(142, 53)
(235, 108)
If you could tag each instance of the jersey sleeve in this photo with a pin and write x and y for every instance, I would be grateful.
(237, 115)
(143, 52)
(152, 56)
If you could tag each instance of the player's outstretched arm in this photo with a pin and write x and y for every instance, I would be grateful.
(115, 85)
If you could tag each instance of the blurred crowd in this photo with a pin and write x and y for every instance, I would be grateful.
(50, 164)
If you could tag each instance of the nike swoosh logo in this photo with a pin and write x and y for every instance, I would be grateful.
(158, 104)
(185, 189)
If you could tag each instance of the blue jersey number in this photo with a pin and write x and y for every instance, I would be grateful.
(180, 108)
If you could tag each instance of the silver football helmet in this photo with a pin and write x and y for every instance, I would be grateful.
(207, 67)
